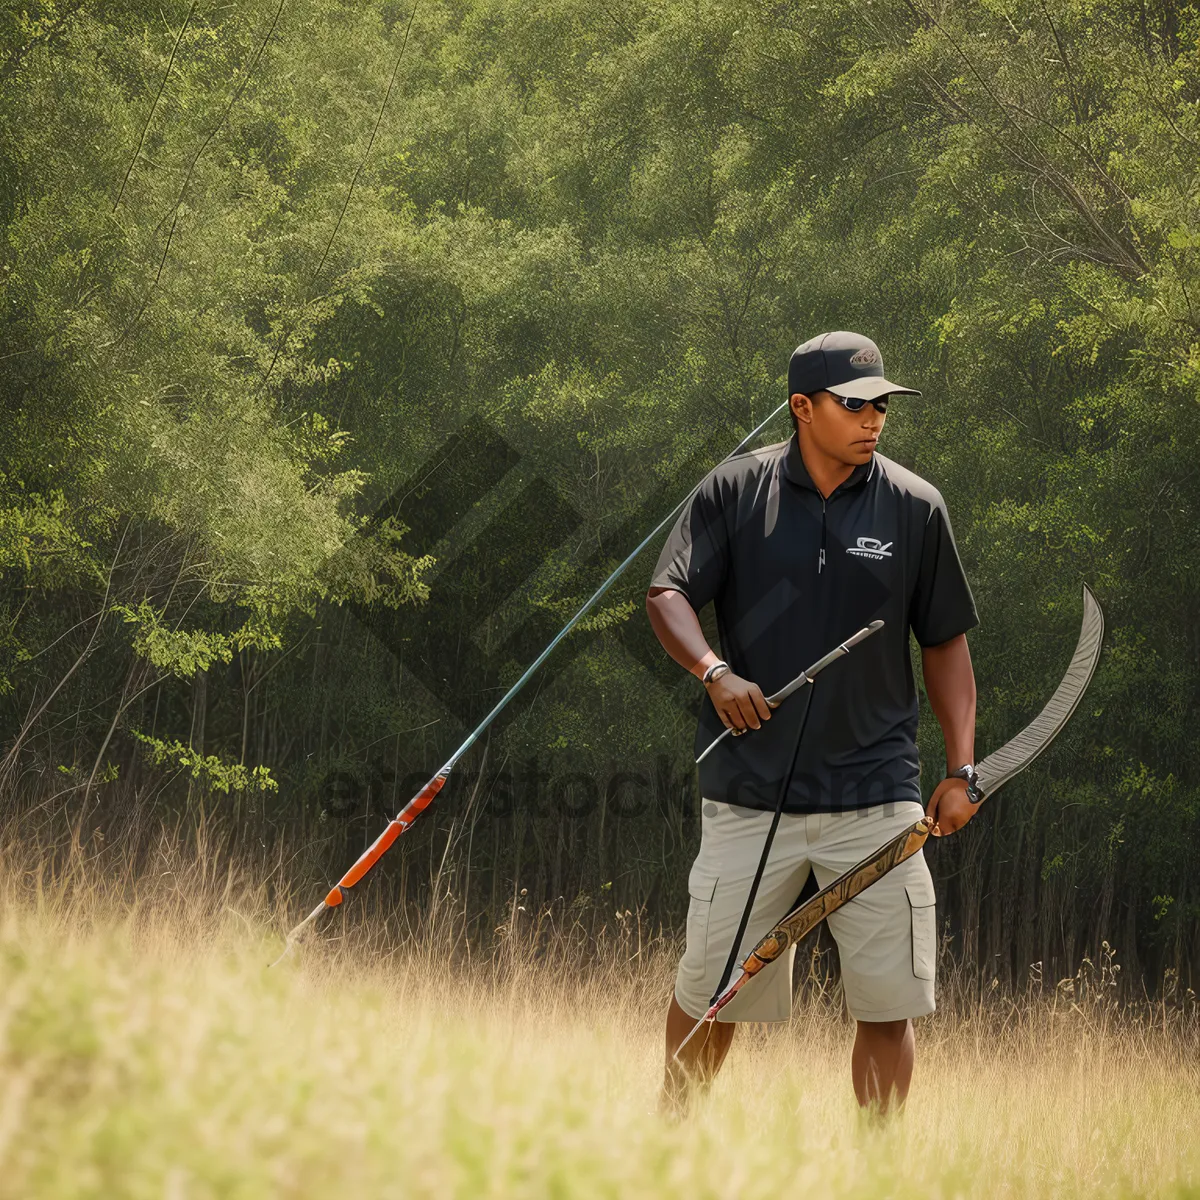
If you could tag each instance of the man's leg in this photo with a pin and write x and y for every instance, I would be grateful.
(698, 1064)
(882, 1063)
(731, 842)
(886, 939)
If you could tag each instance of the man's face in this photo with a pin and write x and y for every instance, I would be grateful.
(848, 437)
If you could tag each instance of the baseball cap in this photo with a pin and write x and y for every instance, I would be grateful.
(842, 362)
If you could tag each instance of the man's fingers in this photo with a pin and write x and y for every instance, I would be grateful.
(746, 708)
(949, 809)
(735, 716)
(730, 717)
(749, 713)
(955, 823)
(931, 814)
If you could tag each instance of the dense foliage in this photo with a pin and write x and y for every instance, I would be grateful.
(346, 348)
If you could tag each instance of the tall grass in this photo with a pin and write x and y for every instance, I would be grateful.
(146, 1051)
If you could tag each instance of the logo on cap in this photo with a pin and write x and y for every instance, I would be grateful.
(868, 356)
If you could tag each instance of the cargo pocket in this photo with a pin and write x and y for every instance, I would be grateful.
(702, 886)
(921, 901)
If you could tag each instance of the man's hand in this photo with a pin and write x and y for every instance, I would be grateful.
(949, 807)
(739, 703)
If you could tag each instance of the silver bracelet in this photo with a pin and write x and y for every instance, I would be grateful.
(708, 675)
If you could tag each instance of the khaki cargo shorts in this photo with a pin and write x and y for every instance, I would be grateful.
(886, 936)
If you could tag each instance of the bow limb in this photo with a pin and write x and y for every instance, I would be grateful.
(725, 997)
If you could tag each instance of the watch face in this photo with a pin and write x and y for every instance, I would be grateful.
(972, 777)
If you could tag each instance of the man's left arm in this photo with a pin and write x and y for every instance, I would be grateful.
(950, 685)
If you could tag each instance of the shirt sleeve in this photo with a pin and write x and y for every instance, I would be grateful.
(942, 605)
(695, 558)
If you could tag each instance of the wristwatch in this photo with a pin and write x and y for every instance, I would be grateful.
(969, 773)
(717, 666)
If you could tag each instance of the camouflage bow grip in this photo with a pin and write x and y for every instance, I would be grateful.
(803, 919)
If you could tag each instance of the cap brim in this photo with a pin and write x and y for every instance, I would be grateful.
(870, 387)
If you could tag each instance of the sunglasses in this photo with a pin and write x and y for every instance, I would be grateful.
(855, 404)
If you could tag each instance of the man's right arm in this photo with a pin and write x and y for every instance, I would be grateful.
(739, 703)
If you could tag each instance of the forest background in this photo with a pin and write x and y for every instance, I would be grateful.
(347, 347)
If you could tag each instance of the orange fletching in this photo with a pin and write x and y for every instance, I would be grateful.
(424, 798)
(376, 850)
(380, 846)
(372, 854)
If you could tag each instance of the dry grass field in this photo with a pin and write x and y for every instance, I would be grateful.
(146, 1052)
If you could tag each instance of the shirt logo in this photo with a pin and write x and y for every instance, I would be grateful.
(868, 356)
(869, 547)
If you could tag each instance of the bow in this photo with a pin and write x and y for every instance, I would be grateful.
(990, 775)
(426, 796)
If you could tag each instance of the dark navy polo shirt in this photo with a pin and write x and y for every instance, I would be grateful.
(792, 574)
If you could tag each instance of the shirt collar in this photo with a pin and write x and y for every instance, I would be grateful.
(797, 472)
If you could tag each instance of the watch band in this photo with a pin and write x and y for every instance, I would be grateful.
(969, 773)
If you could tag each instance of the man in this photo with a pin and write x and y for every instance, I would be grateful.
(799, 545)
